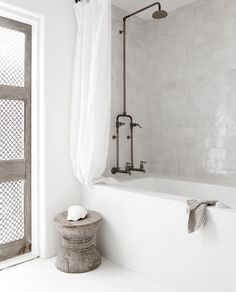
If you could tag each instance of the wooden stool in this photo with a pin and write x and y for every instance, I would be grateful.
(78, 253)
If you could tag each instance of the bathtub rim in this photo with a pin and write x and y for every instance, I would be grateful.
(162, 195)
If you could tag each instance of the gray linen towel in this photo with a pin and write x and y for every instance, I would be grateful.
(197, 213)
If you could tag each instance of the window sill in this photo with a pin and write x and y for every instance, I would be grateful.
(17, 261)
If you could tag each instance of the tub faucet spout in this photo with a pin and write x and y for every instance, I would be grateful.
(142, 166)
(128, 168)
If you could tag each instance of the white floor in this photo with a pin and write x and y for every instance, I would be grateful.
(41, 275)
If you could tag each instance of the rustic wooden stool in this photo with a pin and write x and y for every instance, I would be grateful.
(78, 253)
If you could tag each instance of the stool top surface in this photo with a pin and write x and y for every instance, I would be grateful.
(91, 218)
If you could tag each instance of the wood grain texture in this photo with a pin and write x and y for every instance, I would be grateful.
(20, 169)
(78, 253)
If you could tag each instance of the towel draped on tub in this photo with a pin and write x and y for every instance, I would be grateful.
(197, 213)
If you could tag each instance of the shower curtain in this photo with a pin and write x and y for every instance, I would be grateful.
(91, 92)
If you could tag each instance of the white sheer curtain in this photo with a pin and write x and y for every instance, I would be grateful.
(91, 96)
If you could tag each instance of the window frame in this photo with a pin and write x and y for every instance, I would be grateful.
(11, 170)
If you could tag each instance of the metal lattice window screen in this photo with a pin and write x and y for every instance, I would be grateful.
(15, 137)
(12, 52)
(11, 129)
(11, 211)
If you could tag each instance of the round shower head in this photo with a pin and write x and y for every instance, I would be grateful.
(159, 14)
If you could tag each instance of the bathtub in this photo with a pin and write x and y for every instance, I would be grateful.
(145, 230)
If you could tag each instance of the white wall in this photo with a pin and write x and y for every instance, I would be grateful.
(61, 188)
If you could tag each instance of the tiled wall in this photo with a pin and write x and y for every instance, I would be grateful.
(191, 82)
(182, 89)
(136, 90)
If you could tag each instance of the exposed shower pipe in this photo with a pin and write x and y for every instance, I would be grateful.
(143, 9)
(124, 45)
(130, 166)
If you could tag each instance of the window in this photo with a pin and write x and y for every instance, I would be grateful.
(15, 138)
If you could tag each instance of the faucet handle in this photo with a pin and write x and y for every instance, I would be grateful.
(128, 164)
(143, 162)
(136, 125)
(119, 124)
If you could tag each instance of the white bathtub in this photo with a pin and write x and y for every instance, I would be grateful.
(145, 230)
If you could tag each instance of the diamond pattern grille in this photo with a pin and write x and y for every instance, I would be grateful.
(11, 211)
(11, 129)
(12, 57)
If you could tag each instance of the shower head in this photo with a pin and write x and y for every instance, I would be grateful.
(159, 14)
